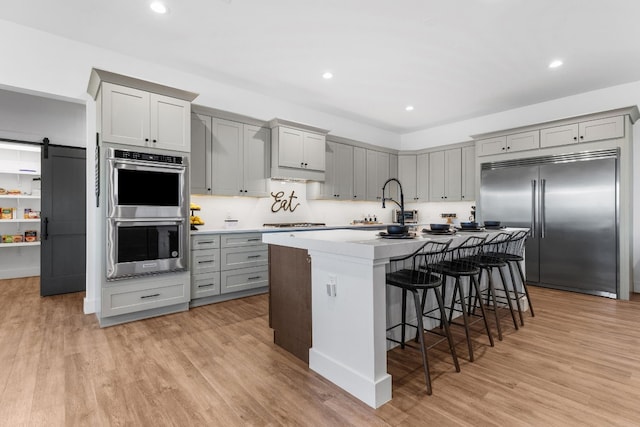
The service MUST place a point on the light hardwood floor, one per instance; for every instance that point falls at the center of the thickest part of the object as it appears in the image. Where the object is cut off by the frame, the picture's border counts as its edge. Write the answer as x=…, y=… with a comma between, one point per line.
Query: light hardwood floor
x=576, y=363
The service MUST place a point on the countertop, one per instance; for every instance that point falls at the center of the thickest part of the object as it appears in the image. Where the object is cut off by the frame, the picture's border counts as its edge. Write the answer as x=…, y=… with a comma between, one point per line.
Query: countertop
x=362, y=227
x=365, y=243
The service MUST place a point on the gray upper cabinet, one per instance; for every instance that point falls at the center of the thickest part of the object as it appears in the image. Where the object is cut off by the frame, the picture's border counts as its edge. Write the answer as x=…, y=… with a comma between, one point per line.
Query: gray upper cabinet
x=587, y=131
x=559, y=135
x=239, y=159
x=468, y=192
x=509, y=143
x=407, y=174
x=393, y=173
x=338, y=182
x=445, y=175
x=200, y=164
x=377, y=173
x=136, y=117
x=413, y=172
x=359, y=173
x=227, y=161
x=229, y=158
x=601, y=127
x=256, y=150
x=297, y=151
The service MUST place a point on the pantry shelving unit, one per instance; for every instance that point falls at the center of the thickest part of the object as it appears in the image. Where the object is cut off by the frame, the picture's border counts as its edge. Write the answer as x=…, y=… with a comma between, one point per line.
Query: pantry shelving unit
x=19, y=170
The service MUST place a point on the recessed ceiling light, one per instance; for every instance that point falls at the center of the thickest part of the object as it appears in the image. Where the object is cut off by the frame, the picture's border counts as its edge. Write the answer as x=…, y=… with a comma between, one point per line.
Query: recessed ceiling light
x=555, y=63
x=409, y=108
x=158, y=7
x=328, y=75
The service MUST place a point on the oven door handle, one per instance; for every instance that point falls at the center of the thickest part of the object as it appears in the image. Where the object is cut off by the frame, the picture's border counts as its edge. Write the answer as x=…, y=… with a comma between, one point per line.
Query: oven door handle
x=148, y=166
x=159, y=221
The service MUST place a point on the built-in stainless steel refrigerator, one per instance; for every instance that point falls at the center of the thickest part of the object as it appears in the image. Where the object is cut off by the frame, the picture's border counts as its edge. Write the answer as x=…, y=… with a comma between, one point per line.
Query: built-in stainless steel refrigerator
x=570, y=203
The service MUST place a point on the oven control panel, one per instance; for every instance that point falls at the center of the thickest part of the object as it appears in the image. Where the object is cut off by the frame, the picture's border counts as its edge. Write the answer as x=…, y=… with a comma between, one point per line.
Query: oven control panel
x=147, y=157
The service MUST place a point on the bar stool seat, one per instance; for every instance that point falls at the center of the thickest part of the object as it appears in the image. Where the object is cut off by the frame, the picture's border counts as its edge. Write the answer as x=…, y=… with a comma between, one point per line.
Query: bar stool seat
x=415, y=278
x=513, y=256
x=493, y=257
x=460, y=262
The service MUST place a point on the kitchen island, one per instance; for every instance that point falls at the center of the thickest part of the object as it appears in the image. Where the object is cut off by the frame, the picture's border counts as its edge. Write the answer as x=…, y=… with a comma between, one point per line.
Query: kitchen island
x=349, y=304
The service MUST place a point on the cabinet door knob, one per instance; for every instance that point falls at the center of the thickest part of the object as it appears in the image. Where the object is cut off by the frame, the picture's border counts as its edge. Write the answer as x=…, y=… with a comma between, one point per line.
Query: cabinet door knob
x=581, y=136
x=146, y=139
x=306, y=164
x=154, y=141
x=503, y=148
x=575, y=138
x=508, y=148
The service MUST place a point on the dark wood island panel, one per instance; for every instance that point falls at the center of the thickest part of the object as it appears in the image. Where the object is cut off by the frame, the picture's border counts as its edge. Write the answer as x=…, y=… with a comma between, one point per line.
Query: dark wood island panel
x=290, y=299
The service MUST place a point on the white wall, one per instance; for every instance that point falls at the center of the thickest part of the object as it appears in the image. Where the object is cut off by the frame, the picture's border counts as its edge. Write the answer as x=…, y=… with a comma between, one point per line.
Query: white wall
x=36, y=61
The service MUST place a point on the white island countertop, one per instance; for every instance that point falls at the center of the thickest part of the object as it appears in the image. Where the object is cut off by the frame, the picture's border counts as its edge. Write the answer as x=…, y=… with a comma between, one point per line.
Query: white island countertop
x=348, y=303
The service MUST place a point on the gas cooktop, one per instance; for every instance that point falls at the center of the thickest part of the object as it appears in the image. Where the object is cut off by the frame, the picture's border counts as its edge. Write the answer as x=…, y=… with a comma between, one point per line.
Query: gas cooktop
x=294, y=224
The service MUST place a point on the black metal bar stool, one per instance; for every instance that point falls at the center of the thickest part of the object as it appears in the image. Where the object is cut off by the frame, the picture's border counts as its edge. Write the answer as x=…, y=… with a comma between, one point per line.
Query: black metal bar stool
x=514, y=256
x=412, y=274
x=460, y=262
x=493, y=257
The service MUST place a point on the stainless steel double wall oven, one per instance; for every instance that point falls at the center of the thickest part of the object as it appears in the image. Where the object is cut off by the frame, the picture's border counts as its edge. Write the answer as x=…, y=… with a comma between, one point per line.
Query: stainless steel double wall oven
x=147, y=213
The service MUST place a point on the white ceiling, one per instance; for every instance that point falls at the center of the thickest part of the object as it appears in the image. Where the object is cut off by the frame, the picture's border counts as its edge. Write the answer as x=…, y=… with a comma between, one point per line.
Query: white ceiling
x=451, y=60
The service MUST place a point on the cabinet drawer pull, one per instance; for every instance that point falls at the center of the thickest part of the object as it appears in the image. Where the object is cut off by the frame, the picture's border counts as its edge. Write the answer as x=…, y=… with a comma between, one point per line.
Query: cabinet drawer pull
x=149, y=296
x=254, y=277
x=254, y=256
x=254, y=240
x=206, y=286
x=205, y=262
x=204, y=242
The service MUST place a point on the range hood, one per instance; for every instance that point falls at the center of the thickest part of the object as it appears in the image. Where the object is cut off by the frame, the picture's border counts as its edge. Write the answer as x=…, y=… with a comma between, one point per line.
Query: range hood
x=297, y=151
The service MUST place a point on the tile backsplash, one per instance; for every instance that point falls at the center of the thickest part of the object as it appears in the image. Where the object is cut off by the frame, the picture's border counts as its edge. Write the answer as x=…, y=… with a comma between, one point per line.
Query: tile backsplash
x=253, y=212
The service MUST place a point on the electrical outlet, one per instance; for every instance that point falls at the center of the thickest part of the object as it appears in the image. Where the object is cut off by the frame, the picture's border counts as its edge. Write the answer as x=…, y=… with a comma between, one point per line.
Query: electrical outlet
x=331, y=289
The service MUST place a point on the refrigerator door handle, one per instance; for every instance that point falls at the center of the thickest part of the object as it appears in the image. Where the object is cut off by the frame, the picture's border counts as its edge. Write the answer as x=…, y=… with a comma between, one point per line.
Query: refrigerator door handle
x=543, y=219
x=532, y=231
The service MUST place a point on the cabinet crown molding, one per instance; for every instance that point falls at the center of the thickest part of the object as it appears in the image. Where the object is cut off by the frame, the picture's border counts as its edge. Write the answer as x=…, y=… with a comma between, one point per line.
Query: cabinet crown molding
x=281, y=122
x=631, y=111
x=98, y=76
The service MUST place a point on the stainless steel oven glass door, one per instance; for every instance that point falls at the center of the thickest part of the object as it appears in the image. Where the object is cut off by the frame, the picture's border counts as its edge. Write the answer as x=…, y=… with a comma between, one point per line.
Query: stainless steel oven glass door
x=139, y=247
x=145, y=185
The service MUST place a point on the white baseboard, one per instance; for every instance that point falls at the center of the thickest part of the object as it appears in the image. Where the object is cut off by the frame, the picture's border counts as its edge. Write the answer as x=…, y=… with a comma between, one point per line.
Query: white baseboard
x=89, y=306
x=20, y=272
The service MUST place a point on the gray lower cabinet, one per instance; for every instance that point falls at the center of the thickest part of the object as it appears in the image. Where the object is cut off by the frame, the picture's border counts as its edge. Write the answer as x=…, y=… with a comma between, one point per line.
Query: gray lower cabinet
x=145, y=294
x=224, y=264
x=205, y=285
x=244, y=279
x=205, y=266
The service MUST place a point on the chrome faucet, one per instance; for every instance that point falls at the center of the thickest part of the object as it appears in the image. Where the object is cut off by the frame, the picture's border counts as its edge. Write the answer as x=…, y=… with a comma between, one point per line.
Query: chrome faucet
x=401, y=204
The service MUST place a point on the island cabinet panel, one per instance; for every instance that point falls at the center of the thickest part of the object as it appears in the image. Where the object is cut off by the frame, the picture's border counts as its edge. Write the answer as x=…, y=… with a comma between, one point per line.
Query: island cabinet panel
x=290, y=299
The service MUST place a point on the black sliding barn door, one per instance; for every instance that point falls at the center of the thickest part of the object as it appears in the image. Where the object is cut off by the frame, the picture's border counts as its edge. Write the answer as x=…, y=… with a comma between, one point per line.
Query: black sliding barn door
x=63, y=252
